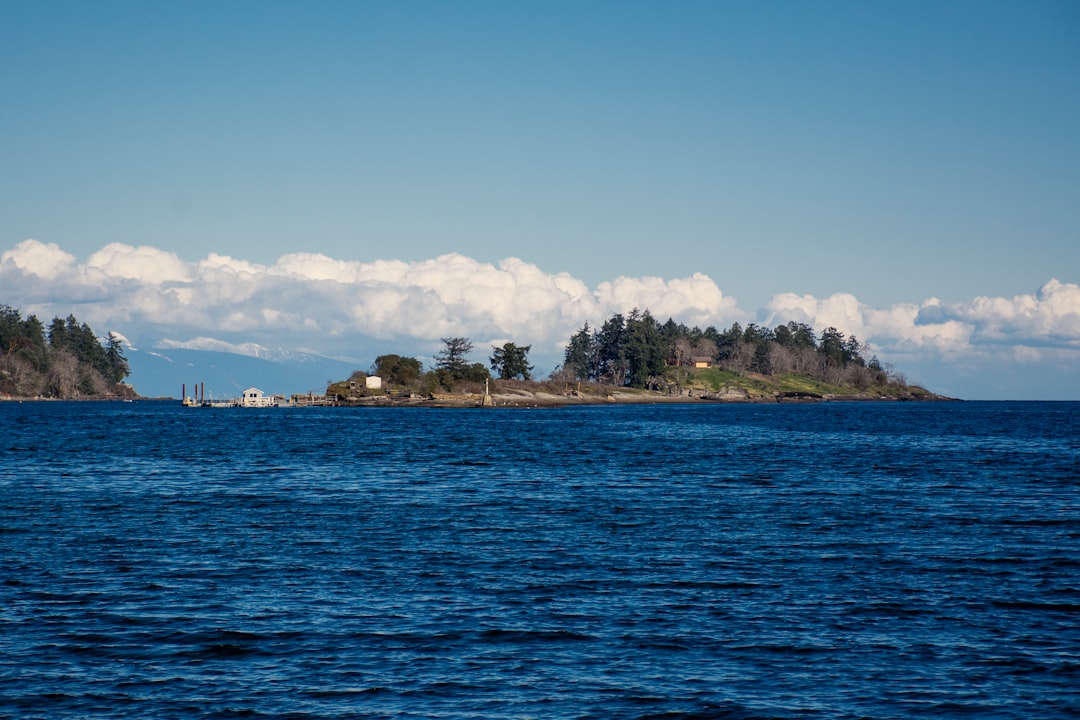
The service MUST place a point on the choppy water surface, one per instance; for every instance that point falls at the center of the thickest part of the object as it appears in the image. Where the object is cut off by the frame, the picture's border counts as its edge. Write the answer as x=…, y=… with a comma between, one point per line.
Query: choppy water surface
x=806, y=561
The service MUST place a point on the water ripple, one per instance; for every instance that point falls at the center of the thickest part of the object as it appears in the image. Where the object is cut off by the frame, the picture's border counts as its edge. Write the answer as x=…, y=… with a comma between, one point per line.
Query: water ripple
x=797, y=561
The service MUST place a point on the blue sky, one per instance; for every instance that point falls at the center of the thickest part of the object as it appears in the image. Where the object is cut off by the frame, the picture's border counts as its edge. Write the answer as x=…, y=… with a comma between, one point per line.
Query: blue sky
x=903, y=154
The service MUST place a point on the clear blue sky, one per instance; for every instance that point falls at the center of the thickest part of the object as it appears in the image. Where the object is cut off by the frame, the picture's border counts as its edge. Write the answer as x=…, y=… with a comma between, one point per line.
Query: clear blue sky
x=893, y=150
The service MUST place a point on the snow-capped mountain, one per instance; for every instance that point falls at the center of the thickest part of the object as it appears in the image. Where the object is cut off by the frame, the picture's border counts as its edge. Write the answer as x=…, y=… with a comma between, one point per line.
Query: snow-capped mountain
x=226, y=370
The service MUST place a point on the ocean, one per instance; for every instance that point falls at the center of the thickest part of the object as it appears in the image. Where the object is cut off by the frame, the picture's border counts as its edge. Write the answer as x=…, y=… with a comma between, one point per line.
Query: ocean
x=836, y=560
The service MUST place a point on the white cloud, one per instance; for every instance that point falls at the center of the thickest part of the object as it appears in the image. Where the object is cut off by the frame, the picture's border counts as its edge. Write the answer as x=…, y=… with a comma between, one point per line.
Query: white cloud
x=312, y=266
x=144, y=264
x=337, y=306
x=122, y=339
x=312, y=298
x=36, y=258
x=1049, y=318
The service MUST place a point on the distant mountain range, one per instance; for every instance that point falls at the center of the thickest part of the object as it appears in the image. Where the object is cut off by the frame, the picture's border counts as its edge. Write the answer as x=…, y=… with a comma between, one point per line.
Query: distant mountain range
x=163, y=372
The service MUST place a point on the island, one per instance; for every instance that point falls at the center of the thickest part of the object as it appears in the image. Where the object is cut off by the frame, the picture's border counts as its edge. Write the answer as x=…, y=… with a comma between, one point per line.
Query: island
x=636, y=359
x=630, y=358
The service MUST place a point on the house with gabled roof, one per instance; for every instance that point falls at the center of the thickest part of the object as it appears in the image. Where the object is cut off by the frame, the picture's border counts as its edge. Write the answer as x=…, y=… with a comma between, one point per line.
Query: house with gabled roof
x=254, y=397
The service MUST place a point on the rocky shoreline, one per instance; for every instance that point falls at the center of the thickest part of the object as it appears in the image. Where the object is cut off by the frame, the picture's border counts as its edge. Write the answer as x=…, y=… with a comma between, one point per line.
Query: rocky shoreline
x=521, y=398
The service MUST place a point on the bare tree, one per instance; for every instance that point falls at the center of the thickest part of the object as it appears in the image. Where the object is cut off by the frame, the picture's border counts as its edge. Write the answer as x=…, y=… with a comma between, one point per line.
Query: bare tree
x=63, y=377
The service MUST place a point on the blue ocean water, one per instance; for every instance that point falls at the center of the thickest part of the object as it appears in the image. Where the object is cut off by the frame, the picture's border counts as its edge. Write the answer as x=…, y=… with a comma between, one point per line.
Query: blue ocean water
x=672, y=561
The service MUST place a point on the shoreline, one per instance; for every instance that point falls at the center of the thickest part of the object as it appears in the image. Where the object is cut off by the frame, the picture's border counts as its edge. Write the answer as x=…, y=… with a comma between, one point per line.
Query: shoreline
x=522, y=398
x=527, y=399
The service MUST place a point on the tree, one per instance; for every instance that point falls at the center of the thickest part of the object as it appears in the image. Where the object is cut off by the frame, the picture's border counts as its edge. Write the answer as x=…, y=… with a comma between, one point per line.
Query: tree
x=611, y=350
x=728, y=342
x=70, y=362
x=63, y=377
x=704, y=348
x=451, y=360
x=754, y=334
x=852, y=350
x=116, y=365
x=58, y=337
x=783, y=336
x=832, y=345
x=578, y=357
x=511, y=361
x=645, y=352
x=762, y=360
x=397, y=370
x=476, y=373
x=10, y=328
x=802, y=335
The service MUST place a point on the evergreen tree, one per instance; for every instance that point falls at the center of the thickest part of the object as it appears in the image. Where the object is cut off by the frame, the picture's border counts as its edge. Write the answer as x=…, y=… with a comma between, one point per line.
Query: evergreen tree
x=578, y=357
x=644, y=350
x=728, y=342
x=11, y=330
x=852, y=348
x=783, y=336
x=832, y=345
x=638, y=351
x=452, y=359
x=511, y=361
x=58, y=336
x=116, y=365
x=65, y=361
x=762, y=360
x=802, y=335
x=755, y=334
x=611, y=350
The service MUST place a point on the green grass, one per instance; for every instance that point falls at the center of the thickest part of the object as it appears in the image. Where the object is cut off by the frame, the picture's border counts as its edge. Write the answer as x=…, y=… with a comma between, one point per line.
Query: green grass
x=715, y=379
x=801, y=383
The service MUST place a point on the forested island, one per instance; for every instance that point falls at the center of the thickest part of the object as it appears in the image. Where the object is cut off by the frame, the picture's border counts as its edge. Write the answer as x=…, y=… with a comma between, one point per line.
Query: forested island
x=630, y=357
x=65, y=361
x=634, y=357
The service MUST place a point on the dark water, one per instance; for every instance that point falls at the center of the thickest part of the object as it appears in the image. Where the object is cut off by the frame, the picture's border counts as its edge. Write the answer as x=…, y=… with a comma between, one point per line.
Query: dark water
x=810, y=561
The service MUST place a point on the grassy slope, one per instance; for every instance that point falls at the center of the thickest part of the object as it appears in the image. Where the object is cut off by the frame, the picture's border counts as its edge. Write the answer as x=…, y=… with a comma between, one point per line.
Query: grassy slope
x=715, y=379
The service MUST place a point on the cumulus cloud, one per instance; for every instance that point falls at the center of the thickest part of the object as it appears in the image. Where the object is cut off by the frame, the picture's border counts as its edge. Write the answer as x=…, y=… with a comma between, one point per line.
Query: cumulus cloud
x=143, y=264
x=346, y=308
x=1050, y=317
x=43, y=260
x=1021, y=326
x=314, y=299
x=336, y=306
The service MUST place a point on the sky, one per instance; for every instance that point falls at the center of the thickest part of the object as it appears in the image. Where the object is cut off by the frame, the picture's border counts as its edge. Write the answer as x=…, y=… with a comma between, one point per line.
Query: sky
x=364, y=177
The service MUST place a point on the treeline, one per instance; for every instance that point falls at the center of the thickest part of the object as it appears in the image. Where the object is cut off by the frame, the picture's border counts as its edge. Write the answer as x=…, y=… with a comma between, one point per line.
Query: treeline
x=453, y=371
x=65, y=360
x=638, y=351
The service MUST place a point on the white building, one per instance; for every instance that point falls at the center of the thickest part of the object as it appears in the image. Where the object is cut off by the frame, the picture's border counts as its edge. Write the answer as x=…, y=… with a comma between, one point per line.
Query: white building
x=254, y=397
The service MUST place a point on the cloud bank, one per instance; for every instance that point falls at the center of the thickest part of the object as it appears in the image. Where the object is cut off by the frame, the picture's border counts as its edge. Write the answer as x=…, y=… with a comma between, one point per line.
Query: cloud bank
x=1047, y=322
x=317, y=300
x=330, y=305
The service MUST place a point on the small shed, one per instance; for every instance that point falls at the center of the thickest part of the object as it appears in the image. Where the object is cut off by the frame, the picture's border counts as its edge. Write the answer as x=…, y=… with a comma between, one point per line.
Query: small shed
x=701, y=361
x=373, y=382
x=254, y=397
